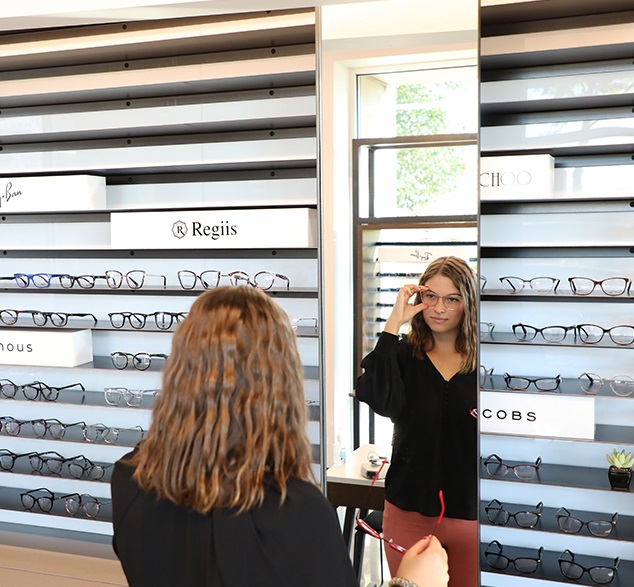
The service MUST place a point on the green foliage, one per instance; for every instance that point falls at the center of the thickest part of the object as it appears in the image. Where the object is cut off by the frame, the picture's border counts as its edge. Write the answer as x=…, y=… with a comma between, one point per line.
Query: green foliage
x=424, y=173
x=618, y=458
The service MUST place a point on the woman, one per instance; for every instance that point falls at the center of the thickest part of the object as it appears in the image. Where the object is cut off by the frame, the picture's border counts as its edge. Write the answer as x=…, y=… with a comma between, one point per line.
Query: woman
x=426, y=384
x=220, y=492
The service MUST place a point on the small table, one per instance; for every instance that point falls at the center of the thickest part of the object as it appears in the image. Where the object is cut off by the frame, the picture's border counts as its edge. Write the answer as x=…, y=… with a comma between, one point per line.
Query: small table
x=346, y=487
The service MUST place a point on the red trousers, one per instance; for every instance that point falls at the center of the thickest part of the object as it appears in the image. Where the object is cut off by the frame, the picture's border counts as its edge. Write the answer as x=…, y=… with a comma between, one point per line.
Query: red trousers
x=459, y=537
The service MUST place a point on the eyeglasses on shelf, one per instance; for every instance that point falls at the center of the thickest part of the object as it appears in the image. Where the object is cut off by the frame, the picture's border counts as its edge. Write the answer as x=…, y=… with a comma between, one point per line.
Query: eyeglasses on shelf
x=496, y=467
x=621, y=385
x=85, y=504
x=499, y=515
x=39, y=280
x=556, y=333
x=114, y=396
x=134, y=279
x=52, y=427
x=41, y=318
x=483, y=282
x=540, y=285
x=484, y=374
x=140, y=361
x=108, y=434
x=303, y=323
x=623, y=334
x=83, y=281
x=138, y=320
x=81, y=467
x=43, y=502
x=572, y=525
x=12, y=426
x=8, y=459
x=486, y=328
x=541, y=383
x=495, y=557
x=35, y=390
x=600, y=574
x=610, y=286
x=47, y=463
x=451, y=303
x=211, y=278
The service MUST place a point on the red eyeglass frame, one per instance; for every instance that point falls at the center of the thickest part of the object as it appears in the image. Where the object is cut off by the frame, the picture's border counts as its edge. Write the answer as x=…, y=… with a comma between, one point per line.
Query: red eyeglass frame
x=363, y=525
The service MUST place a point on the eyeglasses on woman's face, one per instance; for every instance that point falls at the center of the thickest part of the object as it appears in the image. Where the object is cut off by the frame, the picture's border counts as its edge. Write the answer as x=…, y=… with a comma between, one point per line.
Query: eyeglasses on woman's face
x=451, y=303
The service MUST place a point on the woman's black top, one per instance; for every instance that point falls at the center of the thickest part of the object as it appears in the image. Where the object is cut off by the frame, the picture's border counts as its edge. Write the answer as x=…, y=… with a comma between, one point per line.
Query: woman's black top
x=161, y=544
x=435, y=442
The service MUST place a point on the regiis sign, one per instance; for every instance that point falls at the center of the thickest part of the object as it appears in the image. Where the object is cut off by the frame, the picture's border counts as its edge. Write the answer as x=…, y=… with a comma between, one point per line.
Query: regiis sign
x=521, y=176
x=45, y=347
x=215, y=229
x=59, y=193
x=530, y=414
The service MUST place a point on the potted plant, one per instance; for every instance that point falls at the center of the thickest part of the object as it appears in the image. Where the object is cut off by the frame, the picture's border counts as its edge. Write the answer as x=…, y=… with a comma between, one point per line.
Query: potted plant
x=620, y=471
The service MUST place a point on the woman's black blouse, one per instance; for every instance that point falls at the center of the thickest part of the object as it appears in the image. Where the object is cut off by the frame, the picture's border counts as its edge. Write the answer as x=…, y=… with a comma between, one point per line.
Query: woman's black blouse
x=435, y=442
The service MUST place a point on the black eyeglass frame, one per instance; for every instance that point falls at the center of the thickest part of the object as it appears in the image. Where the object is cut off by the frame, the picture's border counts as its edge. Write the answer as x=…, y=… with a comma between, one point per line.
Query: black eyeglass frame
x=509, y=560
x=496, y=505
x=559, y=516
x=588, y=570
x=529, y=466
x=528, y=380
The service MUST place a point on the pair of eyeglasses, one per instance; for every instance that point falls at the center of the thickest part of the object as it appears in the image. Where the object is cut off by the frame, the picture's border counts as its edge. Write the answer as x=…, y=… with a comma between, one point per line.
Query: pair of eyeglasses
x=211, y=278
x=40, y=318
x=35, y=390
x=484, y=374
x=8, y=459
x=525, y=332
x=623, y=334
x=486, y=328
x=137, y=320
x=114, y=396
x=540, y=383
x=47, y=463
x=12, y=426
x=140, y=361
x=540, y=285
x=495, y=557
x=600, y=574
x=370, y=531
x=611, y=286
x=81, y=467
x=483, y=282
x=84, y=504
x=496, y=467
x=107, y=434
x=572, y=525
x=39, y=280
x=621, y=385
x=451, y=303
x=83, y=281
x=134, y=279
x=499, y=515
x=53, y=427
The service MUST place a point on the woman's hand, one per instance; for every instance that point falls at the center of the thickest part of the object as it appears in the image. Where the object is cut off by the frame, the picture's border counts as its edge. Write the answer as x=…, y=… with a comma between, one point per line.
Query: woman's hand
x=402, y=310
x=425, y=564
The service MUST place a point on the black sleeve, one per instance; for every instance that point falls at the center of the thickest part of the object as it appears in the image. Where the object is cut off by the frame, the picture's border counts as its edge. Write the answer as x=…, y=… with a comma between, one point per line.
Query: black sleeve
x=381, y=384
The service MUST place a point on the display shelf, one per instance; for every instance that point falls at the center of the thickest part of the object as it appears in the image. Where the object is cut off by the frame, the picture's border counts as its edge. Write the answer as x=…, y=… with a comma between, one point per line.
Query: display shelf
x=602, y=434
x=558, y=475
x=567, y=387
x=499, y=295
x=85, y=251
x=512, y=251
x=78, y=397
x=508, y=338
x=23, y=468
x=548, y=570
x=623, y=530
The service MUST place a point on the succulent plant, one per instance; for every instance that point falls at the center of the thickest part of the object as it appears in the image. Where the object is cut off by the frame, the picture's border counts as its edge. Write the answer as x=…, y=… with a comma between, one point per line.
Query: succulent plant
x=619, y=459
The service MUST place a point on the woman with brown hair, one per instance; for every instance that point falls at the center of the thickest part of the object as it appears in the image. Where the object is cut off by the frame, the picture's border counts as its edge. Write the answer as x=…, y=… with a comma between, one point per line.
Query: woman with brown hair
x=220, y=492
x=426, y=383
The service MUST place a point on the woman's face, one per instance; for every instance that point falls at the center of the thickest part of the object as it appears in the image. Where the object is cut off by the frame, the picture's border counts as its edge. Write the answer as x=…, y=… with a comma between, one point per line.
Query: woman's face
x=439, y=318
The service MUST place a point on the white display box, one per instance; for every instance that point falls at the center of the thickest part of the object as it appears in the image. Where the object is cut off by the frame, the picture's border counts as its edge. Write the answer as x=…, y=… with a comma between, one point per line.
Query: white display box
x=45, y=347
x=530, y=414
x=215, y=229
x=58, y=193
x=517, y=177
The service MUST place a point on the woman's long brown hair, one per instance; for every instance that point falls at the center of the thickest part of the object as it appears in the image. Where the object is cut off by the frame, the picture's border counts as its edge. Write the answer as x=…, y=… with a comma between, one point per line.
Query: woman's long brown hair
x=463, y=278
x=231, y=416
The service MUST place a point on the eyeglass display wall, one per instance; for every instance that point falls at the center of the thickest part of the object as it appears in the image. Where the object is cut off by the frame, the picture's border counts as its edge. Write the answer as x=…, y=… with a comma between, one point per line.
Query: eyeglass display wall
x=191, y=114
x=558, y=297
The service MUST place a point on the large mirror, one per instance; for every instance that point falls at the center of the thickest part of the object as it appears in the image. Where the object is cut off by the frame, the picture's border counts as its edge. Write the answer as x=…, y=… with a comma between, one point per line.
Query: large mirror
x=399, y=181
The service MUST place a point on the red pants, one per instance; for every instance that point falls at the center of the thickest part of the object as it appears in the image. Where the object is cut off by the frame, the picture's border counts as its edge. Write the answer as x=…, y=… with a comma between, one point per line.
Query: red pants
x=459, y=537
